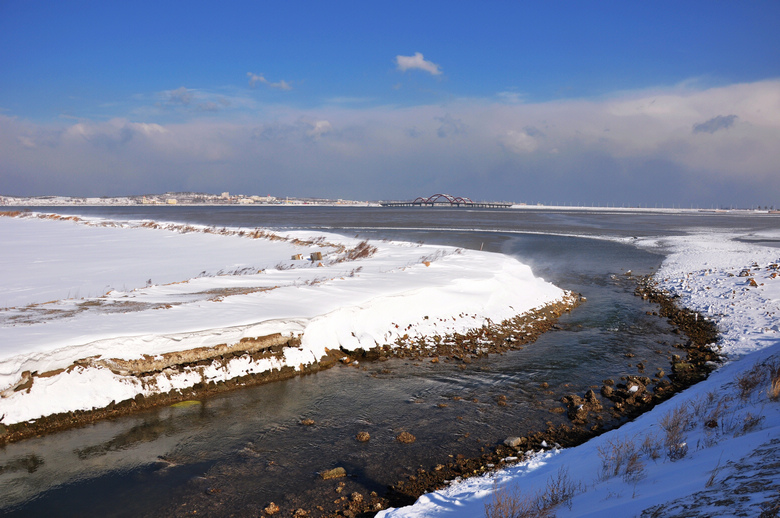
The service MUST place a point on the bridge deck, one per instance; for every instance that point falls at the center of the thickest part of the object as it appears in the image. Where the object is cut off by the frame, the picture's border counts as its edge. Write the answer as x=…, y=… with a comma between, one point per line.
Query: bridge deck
x=480, y=205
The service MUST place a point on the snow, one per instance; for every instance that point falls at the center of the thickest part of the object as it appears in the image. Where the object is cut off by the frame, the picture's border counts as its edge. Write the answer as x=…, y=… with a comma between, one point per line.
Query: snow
x=79, y=296
x=206, y=290
x=729, y=439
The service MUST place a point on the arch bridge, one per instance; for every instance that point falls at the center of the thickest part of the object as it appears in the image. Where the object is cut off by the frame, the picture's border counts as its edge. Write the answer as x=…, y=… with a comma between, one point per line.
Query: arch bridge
x=443, y=200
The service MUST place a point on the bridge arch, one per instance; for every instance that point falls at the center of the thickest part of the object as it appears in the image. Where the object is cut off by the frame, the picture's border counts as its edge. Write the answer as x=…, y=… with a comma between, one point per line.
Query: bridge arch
x=441, y=199
x=438, y=197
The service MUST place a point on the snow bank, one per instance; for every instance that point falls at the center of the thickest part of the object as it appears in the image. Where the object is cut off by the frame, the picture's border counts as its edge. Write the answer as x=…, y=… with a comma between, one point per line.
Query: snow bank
x=83, y=293
x=727, y=430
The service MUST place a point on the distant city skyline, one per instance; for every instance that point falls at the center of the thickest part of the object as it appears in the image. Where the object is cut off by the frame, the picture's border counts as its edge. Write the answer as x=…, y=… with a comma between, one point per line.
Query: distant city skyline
x=602, y=103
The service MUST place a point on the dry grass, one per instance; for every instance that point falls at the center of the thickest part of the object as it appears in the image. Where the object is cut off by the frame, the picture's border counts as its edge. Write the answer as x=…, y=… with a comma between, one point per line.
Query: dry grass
x=651, y=447
x=774, y=381
x=622, y=457
x=635, y=468
x=560, y=490
x=512, y=503
x=614, y=456
x=714, y=473
x=674, y=425
x=361, y=251
x=749, y=423
x=749, y=380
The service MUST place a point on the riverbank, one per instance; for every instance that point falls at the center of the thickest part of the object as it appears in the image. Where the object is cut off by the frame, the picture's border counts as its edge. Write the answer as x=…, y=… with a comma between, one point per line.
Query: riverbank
x=230, y=307
x=609, y=412
x=707, y=451
x=514, y=333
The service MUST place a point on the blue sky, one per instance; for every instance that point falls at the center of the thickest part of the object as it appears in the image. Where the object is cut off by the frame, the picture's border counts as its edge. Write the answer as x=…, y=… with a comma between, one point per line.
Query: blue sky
x=543, y=101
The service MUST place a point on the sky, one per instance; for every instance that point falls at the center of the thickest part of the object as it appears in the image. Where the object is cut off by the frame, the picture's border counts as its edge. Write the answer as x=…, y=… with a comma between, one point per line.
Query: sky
x=584, y=103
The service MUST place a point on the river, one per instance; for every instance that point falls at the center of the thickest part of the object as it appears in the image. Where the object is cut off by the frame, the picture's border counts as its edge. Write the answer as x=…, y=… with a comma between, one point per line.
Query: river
x=235, y=452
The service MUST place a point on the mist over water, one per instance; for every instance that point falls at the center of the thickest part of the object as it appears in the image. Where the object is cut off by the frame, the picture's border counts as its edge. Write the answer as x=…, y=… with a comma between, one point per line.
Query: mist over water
x=250, y=444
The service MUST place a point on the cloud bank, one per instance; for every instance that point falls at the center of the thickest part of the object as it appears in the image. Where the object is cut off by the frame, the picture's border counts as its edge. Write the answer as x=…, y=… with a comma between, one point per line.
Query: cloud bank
x=668, y=146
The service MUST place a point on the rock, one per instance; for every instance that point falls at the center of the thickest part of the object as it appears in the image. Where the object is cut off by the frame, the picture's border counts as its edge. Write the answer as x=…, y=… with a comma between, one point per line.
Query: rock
x=356, y=497
x=592, y=402
x=682, y=367
x=405, y=437
x=607, y=391
x=271, y=509
x=514, y=442
x=307, y=422
x=363, y=436
x=579, y=408
x=333, y=473
x=576, y=408
x=300, y=513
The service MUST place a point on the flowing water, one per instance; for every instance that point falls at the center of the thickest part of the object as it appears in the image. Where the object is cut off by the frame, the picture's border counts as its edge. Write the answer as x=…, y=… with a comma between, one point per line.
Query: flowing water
x=240, y=450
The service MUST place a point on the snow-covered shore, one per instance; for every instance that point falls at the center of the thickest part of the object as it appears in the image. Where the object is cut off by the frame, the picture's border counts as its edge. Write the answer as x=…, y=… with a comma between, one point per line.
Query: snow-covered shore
x=86, y=301
x=709, y=451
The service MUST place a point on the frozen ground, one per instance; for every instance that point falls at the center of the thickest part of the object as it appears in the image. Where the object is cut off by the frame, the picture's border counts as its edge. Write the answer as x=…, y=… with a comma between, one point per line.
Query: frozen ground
x=84, y=298
x=713, y=450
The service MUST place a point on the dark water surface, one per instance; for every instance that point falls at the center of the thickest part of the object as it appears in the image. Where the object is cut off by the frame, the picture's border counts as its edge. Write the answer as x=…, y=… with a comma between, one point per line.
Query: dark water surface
x=236, y=452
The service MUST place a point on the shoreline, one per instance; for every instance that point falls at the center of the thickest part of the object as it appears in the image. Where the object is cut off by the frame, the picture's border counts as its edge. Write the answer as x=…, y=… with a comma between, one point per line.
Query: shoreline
x=456, y=346
x=699, y=361
x=460, y=348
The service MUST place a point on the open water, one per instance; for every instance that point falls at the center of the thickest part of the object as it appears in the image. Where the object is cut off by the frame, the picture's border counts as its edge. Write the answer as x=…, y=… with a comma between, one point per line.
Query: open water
x=234, y=453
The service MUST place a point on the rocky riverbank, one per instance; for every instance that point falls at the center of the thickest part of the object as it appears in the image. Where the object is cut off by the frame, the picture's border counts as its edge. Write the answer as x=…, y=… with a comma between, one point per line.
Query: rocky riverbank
x=590, y=414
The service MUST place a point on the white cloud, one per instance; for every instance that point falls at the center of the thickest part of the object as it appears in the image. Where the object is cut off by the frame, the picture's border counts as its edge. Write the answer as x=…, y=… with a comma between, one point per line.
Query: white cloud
x=113, y=132
x=519, y=142
x=319, y=128
x=511, y=97
x=254, y=79
x=417, y=62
